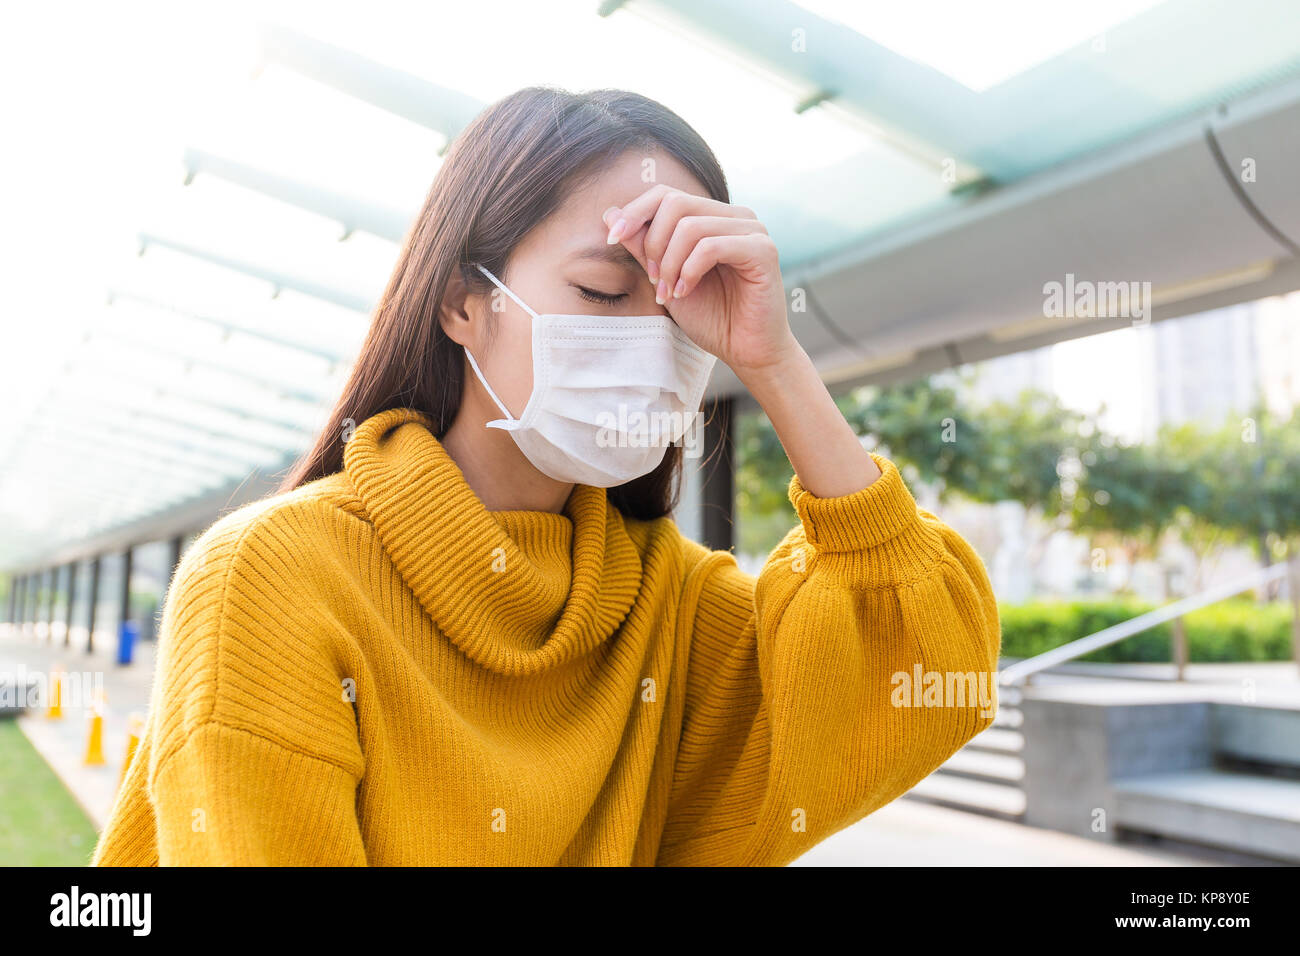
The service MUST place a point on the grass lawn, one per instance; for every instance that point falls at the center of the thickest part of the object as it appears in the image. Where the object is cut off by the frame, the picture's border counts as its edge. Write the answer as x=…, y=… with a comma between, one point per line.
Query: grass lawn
x=40, y=823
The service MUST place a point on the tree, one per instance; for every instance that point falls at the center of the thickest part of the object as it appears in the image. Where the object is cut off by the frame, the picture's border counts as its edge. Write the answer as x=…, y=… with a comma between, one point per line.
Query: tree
x=1134, y=492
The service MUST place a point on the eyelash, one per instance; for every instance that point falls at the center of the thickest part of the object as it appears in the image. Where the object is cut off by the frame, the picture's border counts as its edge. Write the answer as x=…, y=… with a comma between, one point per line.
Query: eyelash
x=601, y=297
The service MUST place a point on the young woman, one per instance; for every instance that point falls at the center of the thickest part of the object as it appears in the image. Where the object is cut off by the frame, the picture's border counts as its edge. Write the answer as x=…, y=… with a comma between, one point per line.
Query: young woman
x=467, y=631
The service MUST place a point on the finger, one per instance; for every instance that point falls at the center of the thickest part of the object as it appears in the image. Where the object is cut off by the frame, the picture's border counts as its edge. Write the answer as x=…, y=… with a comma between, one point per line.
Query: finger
x=673, y=207
x=635, y=244
x=647, y=206
x=617, y=218
x=690, y=230
x=754, y=254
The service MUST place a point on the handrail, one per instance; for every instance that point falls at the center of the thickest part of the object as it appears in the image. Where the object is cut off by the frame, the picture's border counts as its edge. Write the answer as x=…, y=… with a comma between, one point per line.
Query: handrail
x=1021, y=671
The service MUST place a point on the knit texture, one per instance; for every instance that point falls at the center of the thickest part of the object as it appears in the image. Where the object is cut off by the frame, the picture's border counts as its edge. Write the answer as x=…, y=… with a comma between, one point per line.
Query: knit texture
x=374, y=669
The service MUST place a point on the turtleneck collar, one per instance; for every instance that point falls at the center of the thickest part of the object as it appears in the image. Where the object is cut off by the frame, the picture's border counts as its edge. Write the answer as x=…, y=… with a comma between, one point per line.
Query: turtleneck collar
x=517, y=591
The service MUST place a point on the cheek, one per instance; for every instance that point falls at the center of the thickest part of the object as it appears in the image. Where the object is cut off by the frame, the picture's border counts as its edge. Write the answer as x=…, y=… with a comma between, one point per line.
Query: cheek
x=510, y=368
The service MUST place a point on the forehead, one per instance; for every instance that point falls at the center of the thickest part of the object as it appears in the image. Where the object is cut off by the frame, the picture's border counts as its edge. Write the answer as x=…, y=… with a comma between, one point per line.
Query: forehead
x=617, y=184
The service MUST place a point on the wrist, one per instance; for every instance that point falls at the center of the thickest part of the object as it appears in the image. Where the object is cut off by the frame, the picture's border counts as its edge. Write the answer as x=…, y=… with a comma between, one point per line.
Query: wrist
x=788, y=364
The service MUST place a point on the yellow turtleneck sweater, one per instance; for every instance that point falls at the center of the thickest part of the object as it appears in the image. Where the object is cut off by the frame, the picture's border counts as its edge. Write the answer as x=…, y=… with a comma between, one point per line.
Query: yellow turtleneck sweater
x=374, y=669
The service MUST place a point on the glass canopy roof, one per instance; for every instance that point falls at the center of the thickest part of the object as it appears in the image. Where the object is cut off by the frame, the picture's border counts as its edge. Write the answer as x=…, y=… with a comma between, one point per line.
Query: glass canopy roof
x=204, y=204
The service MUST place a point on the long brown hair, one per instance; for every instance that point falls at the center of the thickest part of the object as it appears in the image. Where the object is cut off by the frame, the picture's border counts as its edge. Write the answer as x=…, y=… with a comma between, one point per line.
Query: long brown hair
x=506, y=172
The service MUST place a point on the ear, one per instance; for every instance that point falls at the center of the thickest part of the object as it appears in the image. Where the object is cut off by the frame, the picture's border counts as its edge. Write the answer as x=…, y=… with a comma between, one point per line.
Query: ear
x=458, y=312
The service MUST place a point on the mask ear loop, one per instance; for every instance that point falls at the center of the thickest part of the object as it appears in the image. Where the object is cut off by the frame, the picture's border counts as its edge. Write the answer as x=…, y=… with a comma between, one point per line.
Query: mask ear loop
x=501, y=285
x=478, y=371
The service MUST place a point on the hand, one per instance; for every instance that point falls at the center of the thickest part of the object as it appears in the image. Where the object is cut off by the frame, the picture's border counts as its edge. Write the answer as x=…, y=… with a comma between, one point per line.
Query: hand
x=717, y=272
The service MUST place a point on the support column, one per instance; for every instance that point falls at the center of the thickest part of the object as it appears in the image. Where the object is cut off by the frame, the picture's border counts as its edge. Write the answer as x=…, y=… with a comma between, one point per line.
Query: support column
x=717, y=490
x=94, y=600
x=125, y=614
x=36, y=582
x=20, y=587
x=177, y=544
x=1293, y=586
x=72, y=600
x=177, y=548
x=51, y=594
x=29, y=602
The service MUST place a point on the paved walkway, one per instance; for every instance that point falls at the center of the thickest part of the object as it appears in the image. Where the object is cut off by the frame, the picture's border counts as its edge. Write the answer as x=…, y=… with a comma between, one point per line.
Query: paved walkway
x=63, y=742
x=910, y=833
x=905, y=833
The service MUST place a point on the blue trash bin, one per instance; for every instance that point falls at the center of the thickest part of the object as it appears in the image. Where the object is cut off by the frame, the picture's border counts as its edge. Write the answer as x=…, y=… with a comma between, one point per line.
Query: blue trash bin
x=126, y=637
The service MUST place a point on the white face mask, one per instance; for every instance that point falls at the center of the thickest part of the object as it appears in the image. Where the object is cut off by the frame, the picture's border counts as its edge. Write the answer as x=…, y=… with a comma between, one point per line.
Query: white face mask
x=610, y=394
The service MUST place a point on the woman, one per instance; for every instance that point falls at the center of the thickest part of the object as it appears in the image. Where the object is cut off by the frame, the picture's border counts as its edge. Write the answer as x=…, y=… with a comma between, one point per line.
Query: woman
x=468, y=631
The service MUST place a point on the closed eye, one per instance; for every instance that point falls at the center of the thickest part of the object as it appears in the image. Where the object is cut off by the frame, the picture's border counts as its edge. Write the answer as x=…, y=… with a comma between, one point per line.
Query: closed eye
x=604, y=298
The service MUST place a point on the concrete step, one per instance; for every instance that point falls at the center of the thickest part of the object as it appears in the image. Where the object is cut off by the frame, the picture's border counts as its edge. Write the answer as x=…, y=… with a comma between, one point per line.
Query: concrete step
x=1008, y=717
x=1237, y=811
x=975, y=796
x=997, y=740
x=1007, y=769
x=1261, y=734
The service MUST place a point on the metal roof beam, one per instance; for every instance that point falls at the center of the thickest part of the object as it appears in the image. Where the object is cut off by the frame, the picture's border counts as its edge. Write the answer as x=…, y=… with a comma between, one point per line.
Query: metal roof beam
x=223, y=453
x=329, y=355
x=196, y=464
x=128, y=492
x=159, y=348
x=921, y=110
x=413, y=98
x=348, y=299
x=351, y=212
x=226, y=445
x=180, y=518
x=226, y=434
x=243, y=414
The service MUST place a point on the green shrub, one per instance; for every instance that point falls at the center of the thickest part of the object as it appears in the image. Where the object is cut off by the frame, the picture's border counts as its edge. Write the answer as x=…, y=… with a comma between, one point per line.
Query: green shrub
x=1236, y=630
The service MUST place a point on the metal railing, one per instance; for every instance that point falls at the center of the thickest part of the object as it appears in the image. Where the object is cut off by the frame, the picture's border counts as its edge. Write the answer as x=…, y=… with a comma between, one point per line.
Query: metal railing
x=1022, y=671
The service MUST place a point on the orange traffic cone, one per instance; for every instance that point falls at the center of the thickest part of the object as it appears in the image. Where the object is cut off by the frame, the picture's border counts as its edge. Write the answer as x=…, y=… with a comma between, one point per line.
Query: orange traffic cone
x=134, y=725
x=56, y=693
x=95, y=743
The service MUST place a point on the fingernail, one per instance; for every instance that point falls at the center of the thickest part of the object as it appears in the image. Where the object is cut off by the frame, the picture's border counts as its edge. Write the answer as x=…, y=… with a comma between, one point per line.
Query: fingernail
x=608, y=214
x=679, y=288
x=661, y=292
x=652, y=270
x=616, y=233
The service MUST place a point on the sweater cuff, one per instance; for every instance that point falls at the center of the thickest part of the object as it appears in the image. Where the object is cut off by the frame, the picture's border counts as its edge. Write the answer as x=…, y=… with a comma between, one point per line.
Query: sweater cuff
x=862, y=519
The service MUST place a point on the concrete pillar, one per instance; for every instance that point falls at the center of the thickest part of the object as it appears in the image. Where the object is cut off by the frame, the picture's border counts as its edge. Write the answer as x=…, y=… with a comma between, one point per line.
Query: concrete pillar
x=50, y=599
x=125, y=612
x=72, y=600
x=718, y=477
x=1293, y=586
x=21, y=619
x=94, y=600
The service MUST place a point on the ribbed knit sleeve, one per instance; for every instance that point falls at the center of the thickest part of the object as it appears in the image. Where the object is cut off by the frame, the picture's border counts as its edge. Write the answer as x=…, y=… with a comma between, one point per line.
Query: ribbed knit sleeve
x=254, y=757
x=801, y=714
x=228, y=797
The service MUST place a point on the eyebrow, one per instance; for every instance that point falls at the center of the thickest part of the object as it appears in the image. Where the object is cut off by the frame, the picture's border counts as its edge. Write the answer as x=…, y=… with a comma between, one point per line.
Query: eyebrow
x=616, y=254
